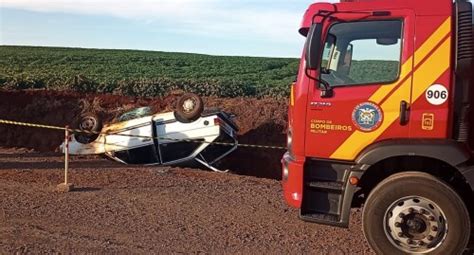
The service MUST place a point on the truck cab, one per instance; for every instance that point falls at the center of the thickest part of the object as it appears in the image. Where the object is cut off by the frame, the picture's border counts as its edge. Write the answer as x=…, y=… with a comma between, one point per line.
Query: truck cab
x=380, y=115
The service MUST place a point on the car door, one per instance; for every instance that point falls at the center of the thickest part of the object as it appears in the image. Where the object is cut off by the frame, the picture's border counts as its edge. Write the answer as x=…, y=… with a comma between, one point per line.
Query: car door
x=177, y=142
x=131, y=141
x=368, y=65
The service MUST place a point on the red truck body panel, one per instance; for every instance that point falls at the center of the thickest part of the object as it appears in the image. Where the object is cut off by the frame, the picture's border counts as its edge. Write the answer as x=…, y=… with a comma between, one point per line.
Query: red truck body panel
x=325, y=128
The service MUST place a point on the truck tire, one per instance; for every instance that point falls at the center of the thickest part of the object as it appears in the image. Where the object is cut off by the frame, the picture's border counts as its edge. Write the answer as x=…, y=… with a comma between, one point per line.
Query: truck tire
x=411, y=213
x=189, y=108
x=88, y=122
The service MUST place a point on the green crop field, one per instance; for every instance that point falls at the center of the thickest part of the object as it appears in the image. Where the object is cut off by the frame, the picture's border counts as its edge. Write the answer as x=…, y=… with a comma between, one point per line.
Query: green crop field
x=143, y=73
x=152, y=73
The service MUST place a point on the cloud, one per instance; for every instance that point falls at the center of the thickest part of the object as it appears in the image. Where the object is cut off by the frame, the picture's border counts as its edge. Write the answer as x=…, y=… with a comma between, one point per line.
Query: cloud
x=275, y=20
x=124, y=8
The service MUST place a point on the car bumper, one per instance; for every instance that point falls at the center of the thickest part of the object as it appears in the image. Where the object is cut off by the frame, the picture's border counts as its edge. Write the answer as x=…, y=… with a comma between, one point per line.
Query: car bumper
x=292, y=180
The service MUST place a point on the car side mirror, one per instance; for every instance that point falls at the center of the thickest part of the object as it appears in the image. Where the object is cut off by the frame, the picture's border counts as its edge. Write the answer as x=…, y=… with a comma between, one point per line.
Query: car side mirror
x=313, y=47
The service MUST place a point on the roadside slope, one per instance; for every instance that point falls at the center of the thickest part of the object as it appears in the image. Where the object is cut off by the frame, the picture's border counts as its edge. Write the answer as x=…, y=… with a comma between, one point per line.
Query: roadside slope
x=261, y=121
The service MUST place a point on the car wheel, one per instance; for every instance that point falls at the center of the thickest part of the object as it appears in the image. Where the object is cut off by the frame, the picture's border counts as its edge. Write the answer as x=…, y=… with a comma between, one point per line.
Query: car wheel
x=189, y=108
x=415, y=213
x=89, y=122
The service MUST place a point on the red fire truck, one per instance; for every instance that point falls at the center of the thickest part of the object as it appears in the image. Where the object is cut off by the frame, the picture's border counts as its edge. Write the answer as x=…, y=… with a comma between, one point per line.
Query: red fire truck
x=380, y=116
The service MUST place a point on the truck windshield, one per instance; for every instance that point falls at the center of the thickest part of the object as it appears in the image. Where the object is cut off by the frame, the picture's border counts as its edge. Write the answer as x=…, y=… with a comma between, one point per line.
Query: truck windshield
x=363, y=52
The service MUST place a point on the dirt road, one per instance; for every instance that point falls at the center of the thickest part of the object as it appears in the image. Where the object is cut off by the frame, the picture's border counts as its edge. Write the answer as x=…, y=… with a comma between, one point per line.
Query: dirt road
x=119, y=209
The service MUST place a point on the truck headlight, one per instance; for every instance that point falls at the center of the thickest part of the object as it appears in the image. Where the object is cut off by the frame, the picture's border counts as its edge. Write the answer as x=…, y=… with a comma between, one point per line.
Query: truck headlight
x=285, y=172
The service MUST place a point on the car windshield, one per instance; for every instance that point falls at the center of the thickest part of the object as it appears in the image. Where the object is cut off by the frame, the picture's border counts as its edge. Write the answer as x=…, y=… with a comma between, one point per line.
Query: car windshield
x=135, y=113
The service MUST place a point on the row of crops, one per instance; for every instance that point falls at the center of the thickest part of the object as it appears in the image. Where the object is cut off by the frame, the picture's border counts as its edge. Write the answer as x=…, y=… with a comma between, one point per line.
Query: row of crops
x=151, y=73
x=143, y=73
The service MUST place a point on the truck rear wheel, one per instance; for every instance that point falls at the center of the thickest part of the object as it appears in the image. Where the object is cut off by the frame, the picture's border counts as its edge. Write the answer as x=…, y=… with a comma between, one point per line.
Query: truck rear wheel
x=415, y=213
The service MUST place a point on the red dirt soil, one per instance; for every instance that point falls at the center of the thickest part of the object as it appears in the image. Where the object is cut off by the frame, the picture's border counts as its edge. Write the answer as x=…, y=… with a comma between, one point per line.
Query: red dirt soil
x=261, y=121
x=119, y=209
x=124, y=209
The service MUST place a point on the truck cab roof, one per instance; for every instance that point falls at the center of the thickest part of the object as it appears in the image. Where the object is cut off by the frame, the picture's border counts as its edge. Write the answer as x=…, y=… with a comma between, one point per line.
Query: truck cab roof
x=419, y=7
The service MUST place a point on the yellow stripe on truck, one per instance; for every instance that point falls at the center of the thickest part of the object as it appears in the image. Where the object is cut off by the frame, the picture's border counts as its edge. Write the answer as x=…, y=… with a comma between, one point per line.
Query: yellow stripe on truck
x=434, y=39
x=359, y=140
x=424, y=77
x=420, y=54
x=437, y=64
x=384, y=90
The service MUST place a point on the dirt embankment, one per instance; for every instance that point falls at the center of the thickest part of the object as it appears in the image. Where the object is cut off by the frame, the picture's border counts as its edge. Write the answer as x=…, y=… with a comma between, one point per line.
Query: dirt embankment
x=261, y=121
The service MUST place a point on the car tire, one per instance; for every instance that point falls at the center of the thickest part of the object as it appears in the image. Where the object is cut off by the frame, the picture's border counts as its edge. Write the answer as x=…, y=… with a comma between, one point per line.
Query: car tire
x=90, y=122
x=392, y=213
x=189, y=108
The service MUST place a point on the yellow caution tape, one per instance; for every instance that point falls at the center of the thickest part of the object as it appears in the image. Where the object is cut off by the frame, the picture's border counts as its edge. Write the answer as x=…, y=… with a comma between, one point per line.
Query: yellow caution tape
x=33, y=125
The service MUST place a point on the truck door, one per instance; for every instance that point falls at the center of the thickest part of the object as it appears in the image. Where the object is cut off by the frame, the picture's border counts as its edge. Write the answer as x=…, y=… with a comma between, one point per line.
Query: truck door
x=368, y=65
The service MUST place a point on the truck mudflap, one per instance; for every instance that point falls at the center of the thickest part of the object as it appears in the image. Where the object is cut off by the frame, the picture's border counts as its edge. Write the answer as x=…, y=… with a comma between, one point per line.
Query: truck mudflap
x=468, y=173
x=328, y=193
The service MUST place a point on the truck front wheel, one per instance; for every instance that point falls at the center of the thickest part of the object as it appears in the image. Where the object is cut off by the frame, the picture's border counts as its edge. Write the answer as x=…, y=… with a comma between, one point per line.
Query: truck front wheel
x=415, y=213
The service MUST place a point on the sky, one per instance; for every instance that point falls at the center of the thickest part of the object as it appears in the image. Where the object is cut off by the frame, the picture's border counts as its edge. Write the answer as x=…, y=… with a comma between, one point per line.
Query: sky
x=218, y=27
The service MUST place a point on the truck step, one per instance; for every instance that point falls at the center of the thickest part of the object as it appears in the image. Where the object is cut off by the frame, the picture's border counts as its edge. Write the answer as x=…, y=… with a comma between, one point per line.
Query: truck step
x=332, y=219
x=336, y=187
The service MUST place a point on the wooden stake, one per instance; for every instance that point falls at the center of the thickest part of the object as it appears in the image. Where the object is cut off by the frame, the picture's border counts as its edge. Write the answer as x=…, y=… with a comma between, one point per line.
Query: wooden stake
x=66, y=186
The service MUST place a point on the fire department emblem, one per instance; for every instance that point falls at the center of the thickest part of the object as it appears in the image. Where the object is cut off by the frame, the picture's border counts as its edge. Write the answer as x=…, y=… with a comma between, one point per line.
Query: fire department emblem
x=367, y=116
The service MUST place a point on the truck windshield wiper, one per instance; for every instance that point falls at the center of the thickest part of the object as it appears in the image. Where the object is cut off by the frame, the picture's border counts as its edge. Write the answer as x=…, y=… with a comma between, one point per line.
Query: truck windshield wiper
x=325, y=70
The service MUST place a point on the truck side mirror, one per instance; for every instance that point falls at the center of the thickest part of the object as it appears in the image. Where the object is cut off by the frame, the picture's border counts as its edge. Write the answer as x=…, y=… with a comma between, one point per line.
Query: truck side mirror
x=313, y=56
x=313, y=47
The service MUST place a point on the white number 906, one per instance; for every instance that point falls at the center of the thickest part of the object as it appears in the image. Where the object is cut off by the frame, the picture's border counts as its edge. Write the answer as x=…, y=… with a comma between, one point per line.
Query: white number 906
x=436, y=94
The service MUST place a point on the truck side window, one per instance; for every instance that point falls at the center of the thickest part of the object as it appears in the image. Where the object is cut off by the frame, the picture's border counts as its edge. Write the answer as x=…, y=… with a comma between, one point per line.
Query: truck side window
x=364, y=52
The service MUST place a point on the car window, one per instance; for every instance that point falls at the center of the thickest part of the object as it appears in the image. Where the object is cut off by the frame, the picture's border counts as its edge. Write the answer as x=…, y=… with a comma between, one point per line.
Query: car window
x=365, y=52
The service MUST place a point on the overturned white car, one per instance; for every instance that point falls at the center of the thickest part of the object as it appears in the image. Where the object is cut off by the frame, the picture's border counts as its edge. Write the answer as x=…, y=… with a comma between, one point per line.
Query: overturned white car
x=139, y=137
